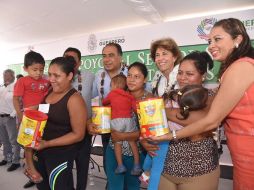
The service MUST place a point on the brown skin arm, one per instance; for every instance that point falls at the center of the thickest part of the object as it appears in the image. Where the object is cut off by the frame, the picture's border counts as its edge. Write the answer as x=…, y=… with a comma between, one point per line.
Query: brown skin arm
x=125, y=136
x=193, y=116
x=232, y=89
x=78, y=117
x=16, y=104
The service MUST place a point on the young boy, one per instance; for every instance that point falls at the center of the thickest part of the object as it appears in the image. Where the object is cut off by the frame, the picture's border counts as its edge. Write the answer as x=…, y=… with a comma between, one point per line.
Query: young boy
x=31, y=90
x=122, y=105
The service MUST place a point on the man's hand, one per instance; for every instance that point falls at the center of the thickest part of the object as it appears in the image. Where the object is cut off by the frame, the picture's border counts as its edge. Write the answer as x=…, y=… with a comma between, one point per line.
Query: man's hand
x=93, y=129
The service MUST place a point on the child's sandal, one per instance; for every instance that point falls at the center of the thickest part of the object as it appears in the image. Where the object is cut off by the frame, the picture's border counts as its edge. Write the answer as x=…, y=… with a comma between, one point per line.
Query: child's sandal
x=144, y=178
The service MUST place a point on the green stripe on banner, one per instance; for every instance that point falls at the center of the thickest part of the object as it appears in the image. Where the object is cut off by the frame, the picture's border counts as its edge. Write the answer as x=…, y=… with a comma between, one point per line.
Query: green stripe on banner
x=94, y=62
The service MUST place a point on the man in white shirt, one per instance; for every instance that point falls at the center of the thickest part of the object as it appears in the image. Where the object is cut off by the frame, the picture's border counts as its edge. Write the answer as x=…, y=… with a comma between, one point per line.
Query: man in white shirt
x=8, y=130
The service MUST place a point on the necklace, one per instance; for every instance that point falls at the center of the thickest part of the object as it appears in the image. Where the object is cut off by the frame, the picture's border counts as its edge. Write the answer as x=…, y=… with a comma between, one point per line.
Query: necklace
x=103, y=74
x=80, y=87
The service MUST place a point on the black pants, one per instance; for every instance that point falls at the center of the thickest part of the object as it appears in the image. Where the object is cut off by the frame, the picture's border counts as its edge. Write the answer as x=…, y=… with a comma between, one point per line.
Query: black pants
x=82, y=162
x=55, y=166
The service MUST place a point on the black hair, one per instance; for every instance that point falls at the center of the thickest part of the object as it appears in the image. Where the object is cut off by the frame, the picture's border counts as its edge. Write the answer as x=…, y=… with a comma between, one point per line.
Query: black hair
x=72, y=49
x=117, y=46
x=19, y=76
x=190, y=98
x=140, y=66
x=234, y=28
x=33, y=57
x=202, y=61
x=67, y=64
x=120, y=81
x=11, y=72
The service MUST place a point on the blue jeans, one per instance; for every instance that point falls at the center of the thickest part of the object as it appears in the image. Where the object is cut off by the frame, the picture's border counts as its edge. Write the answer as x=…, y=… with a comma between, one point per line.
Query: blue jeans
x=118, y=181
x=155, y=165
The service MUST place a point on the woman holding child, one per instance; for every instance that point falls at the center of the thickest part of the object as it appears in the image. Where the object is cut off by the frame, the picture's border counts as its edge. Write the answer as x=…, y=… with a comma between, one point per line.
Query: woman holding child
x=166, y=55
x=64, y=130
x=190, y=163
x=136, y=80
x=230, y=44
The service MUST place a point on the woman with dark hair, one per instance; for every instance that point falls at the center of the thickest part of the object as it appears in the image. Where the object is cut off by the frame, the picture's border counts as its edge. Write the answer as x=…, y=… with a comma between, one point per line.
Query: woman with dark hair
x=136, y=80
x=198, y=167
x=230, y=44
x=64, y=130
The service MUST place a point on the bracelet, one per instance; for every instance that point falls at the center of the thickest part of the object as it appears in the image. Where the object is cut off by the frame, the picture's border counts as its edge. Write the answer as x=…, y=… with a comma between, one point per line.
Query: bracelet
x=174, y=135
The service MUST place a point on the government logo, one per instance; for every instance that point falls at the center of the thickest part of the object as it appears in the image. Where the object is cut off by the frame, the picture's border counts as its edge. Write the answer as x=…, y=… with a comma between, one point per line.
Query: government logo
x=205, y=26
x=92, y=43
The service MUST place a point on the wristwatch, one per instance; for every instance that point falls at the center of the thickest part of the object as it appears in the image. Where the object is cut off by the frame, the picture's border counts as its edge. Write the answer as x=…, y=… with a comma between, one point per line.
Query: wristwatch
x=174, y=135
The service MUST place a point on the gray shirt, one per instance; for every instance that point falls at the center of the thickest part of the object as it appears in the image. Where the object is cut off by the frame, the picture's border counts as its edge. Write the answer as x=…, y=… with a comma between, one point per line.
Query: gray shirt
x=87, y=79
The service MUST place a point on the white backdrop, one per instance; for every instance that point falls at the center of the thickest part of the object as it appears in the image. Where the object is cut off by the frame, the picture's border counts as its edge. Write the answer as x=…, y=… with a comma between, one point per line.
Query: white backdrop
x=183, y=31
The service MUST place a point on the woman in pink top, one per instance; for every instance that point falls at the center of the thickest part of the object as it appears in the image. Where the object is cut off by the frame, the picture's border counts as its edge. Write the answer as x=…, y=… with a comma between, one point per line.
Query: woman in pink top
x=230, y=44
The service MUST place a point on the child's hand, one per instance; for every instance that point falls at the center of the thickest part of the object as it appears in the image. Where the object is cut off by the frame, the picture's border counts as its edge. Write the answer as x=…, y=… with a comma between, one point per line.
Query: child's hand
x=19, y=116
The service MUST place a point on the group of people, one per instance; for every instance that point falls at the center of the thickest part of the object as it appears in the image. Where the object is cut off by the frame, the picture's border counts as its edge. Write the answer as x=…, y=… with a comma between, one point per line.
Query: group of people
x=185, y=158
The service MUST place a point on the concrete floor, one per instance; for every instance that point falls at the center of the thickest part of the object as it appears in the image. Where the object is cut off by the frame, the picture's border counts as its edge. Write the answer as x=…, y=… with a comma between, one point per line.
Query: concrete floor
x=97, y=180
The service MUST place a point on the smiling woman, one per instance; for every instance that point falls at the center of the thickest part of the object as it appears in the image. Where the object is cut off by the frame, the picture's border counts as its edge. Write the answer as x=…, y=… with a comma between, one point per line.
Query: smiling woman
x=64, y=130
x=230, y=44
x=166, y=54
x=136, y=79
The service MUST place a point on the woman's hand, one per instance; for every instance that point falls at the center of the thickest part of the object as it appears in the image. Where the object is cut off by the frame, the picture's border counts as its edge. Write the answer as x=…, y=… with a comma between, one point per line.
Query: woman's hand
x=124, y=136
x=156, y=140
x=92, y=129
x=150, y=148
x=117, y=136
x=42, y=144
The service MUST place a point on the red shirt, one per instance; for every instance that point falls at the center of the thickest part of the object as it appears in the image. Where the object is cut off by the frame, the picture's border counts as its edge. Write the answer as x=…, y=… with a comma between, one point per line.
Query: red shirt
x=32, y=91
x=122, y=103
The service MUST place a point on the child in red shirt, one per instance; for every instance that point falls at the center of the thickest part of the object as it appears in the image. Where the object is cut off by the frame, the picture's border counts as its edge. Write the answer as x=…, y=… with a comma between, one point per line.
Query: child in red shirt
x=122, y=104
x=31, y=90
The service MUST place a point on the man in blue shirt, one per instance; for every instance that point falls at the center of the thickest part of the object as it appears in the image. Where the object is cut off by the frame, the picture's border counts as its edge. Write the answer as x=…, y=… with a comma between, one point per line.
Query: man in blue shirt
x=112, y=63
